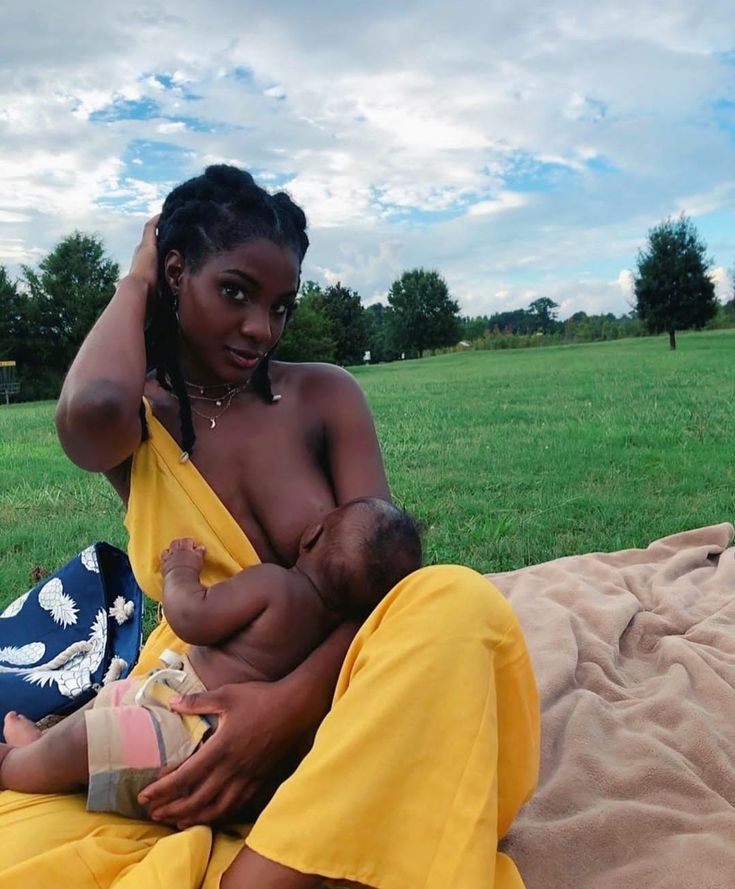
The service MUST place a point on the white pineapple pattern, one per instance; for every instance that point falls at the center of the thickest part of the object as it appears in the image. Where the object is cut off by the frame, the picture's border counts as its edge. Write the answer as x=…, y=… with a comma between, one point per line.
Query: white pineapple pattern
x=23, y=655
x=89, y=559
x=71, y=670
x=53, y=599
x=121, y=610
x=16, y=605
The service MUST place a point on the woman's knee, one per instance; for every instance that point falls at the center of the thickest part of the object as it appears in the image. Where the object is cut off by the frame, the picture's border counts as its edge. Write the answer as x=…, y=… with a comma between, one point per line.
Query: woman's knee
x=455, y=599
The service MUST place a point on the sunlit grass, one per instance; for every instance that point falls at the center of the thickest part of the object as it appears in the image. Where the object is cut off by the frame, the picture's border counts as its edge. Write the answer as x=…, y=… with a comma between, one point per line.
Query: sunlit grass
x=508, y=458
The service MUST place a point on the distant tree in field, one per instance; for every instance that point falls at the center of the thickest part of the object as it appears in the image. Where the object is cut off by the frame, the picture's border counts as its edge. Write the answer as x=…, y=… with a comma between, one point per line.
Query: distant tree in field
x=672, y=286
x=543, y=312
x=65, y=296
x=346, y=314
x=474, y=328
x=379, y=333
x=513, y=321
x=12, y=317
x=331, y=326
x=424, y=315
x=308, y=334
x=730, y=304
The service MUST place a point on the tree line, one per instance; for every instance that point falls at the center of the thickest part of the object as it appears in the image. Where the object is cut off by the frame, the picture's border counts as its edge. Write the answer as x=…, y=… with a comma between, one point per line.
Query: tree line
x=45, y=315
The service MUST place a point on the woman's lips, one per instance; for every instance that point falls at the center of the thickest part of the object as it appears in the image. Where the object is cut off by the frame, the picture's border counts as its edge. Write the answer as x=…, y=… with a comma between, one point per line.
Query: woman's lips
x=243, y=358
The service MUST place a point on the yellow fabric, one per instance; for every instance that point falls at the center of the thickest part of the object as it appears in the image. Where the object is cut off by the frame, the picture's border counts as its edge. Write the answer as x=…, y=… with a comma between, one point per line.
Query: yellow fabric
x=170, y=499
x=430, y=748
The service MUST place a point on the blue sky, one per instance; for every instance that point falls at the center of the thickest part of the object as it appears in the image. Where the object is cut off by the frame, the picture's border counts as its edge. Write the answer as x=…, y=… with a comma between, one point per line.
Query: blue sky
x=523, y=149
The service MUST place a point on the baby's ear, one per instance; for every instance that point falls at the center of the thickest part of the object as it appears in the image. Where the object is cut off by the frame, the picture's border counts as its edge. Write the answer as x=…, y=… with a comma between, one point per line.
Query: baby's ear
x=310, y=537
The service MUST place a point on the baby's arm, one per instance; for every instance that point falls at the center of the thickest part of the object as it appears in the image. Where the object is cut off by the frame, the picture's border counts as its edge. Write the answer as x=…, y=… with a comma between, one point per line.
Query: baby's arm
x=204, y=616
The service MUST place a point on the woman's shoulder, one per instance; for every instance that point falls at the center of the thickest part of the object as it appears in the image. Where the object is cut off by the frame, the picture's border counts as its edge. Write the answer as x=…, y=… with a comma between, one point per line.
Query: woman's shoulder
x=315, y=379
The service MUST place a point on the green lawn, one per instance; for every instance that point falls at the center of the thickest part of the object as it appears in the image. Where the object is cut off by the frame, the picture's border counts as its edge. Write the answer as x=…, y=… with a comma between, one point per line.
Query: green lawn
x=508, y=458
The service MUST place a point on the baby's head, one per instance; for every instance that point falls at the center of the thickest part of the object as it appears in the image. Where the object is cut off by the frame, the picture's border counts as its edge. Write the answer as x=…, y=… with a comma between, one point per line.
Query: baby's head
x=359, y=552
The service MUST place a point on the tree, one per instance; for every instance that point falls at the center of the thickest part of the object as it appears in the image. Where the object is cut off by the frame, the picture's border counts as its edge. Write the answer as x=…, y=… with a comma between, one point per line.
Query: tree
x=424, y=315
x=329, y=325
x=673, y=288
x=12, y=317
x=543, y=311
x=379, y=332
x=308, y=334
x=474, y=328
x=346, y=314
x=65, y=296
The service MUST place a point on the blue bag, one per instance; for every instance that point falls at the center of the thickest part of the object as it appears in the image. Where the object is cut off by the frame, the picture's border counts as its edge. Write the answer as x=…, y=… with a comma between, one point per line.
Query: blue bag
x=72, y=633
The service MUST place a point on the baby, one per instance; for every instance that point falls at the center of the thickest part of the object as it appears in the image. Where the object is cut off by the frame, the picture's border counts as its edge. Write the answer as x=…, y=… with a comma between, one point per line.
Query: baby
x=258, y=625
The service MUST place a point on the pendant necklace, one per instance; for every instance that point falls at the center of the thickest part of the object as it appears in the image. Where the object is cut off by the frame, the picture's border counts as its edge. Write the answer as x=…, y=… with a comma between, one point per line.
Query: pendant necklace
x=222, y=401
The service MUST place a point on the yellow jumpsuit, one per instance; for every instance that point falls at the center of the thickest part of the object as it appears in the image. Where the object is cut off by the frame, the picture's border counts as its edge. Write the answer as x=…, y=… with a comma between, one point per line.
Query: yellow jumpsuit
x=429, y=750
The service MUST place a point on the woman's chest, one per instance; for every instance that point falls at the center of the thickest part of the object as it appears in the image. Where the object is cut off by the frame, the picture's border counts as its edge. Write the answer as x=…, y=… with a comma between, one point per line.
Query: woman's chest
x=271, y=473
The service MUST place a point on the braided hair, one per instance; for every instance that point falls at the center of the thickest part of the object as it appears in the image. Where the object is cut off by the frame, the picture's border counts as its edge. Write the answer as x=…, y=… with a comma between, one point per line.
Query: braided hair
x=210, y=214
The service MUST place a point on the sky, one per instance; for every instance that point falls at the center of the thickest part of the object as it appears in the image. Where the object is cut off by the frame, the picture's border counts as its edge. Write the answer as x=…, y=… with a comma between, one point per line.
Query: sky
x=521, y=149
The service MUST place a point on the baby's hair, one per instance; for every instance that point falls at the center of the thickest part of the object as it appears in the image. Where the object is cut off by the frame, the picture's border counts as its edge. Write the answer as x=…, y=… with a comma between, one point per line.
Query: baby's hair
x=210, y=214
x=391, y=549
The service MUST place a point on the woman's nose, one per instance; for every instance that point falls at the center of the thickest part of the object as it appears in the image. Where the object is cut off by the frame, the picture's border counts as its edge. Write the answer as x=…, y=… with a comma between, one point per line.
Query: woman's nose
x=257, y=325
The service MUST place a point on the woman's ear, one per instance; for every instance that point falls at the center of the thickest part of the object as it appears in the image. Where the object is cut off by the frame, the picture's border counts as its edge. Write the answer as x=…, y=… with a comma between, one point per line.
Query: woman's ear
x=173, y=267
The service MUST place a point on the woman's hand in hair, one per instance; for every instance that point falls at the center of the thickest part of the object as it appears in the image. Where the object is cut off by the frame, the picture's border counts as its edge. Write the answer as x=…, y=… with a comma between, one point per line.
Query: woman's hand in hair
x=144, y=265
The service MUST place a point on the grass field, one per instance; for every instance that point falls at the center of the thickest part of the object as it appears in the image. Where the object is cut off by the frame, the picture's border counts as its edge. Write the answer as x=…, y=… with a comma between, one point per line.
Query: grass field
x=508, y=458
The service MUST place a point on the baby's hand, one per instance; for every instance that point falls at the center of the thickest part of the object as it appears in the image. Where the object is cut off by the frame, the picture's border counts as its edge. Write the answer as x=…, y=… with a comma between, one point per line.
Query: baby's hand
x=183, y=553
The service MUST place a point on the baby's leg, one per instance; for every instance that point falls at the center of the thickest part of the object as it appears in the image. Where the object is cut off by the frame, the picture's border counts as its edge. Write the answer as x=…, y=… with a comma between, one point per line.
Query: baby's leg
x=54, y=763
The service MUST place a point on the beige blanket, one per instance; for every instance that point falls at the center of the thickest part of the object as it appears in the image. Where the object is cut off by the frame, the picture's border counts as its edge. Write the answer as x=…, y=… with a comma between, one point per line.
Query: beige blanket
x=634, y=653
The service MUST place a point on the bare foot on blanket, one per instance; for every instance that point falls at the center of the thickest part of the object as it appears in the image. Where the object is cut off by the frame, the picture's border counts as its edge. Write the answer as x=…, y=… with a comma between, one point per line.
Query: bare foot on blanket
x=20, y=731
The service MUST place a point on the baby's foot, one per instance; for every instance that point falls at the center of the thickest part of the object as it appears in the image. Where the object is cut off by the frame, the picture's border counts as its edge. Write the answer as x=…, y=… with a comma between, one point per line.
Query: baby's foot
x=183, y=553
x=19, y=730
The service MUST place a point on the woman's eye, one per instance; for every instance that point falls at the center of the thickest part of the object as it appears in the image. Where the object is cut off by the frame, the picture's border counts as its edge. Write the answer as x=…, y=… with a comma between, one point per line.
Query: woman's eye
x=280, y=310
x=233, y=291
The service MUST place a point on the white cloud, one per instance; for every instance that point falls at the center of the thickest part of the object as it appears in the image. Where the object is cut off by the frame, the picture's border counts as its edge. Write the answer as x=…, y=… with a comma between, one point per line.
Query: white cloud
x=625, y=283
x=723, y=284
x=520, y=150
x=506, y=200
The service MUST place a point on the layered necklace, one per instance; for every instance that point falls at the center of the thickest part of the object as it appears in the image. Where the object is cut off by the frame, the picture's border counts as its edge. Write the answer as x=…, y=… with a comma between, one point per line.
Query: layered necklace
x=218, y=397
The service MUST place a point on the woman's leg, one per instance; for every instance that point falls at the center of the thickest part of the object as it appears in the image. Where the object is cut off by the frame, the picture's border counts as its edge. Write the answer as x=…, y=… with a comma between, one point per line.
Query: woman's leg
x=429, y=750
x=252, y=871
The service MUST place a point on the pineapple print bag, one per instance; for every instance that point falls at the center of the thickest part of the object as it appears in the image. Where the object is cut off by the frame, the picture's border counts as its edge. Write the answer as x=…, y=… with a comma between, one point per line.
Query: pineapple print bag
x=74, y=632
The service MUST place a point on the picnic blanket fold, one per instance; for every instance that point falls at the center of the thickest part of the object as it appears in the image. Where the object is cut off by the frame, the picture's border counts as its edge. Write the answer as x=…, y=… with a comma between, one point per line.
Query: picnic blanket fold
x=634, y=653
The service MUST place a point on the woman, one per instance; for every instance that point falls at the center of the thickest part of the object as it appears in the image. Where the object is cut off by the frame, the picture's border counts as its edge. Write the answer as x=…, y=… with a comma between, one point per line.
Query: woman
x=431, y=742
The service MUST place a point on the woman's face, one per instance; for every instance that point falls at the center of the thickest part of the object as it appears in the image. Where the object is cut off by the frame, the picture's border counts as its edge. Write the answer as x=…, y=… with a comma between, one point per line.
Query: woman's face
x=233, y=308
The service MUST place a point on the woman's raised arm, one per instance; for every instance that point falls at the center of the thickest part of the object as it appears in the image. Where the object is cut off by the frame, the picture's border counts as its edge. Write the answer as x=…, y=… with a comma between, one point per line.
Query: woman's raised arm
x=97, y=417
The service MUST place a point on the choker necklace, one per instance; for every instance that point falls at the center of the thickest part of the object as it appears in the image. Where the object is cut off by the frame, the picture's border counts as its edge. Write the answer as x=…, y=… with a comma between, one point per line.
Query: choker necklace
x=223, y=401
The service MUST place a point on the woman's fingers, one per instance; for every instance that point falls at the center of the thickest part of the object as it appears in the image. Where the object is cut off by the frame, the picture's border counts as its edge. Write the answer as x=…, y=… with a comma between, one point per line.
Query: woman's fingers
x=224, y=805
x=202, y=704
x=149, y=229
x=145, y=257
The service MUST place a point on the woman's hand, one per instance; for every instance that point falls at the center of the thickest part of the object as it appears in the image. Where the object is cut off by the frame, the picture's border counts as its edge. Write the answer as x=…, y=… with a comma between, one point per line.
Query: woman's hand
x=144, y=266
x=257, y=729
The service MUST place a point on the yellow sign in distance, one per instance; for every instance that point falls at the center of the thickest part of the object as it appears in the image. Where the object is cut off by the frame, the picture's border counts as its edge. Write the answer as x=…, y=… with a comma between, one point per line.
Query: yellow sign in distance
x=7, y=363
